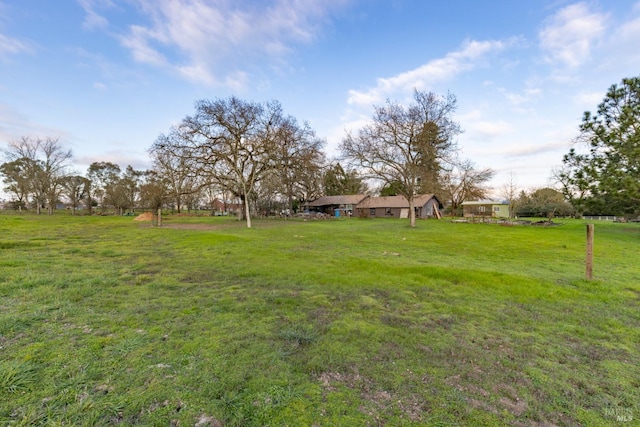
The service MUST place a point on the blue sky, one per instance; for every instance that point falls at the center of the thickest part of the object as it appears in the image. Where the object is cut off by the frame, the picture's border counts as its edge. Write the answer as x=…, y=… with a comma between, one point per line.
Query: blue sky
x=108, y=76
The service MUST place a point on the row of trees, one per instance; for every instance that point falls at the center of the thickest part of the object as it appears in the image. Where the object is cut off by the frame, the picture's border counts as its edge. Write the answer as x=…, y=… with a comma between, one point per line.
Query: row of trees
x=254, y=153
x=257, y=153
x=38, y=173
x=36, y=169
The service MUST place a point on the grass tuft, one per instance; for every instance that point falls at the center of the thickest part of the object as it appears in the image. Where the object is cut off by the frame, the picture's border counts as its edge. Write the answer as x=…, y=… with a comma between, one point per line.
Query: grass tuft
x=16, y=377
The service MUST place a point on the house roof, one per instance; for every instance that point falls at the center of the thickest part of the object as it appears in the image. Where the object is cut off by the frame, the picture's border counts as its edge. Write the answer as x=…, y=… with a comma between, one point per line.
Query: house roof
x=351, y=199
x=395, y=201
x=484, y=202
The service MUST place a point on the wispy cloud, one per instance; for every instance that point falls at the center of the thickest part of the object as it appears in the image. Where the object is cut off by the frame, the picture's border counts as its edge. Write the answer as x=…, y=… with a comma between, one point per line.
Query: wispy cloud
x=490, y=129
x=10, y=46
x=434, y=71
x=14, y=124
x=121, y=157
x=138, y=42
x=93, y=19
x=624, y=41
x=588, y=100
x=520, y=98
x=568, y=36
x=526, y=150
x=211, y=41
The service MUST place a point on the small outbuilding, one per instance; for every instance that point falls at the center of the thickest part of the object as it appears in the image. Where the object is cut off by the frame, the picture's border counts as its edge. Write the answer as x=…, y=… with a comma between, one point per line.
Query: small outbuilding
x=425, y=205
x=486, y=208
x=343, y=205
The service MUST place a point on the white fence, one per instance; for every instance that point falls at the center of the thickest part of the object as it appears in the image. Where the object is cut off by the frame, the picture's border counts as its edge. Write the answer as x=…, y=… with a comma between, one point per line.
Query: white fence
x=602, y=218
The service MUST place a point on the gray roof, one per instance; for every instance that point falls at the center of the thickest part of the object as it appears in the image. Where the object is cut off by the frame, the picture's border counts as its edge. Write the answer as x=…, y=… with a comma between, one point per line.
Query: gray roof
x=351, y=199
x=395, y=201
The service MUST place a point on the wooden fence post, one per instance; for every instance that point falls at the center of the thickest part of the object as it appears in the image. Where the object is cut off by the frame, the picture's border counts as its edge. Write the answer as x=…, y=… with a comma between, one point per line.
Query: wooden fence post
x=159, y=217
x=589, y=259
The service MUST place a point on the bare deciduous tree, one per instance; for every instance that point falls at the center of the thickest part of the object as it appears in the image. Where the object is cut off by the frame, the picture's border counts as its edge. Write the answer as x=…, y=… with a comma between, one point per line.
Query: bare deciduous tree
x=298, y=155
x=406, y=145
x=175, y=166
x=235, y=144
x=45, y=165
x=465, y=182
x=509, y=192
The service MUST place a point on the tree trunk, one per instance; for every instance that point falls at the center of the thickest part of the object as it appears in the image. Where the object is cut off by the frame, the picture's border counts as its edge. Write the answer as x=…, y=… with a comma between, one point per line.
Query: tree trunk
x=412, y=213
x=246, y=211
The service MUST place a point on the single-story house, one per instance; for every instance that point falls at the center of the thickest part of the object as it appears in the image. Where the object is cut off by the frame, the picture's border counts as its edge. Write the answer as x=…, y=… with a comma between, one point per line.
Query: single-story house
x=344, y=205
x=426, y=206
x=484, y=208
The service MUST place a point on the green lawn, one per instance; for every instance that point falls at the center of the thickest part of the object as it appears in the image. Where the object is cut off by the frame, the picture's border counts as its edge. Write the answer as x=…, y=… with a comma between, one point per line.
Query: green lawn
x=108, y=321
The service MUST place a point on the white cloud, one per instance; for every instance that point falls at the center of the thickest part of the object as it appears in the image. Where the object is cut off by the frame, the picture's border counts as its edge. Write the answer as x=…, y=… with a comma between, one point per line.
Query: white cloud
x=589, y=100
x=93, y=20
x=208, y=40
x=474, y=114
x=630, y=30
x=490, y=129
x=535, y=149
x=520, y=98
x=569, y=35
x=120, y=157
x=624, y=43
x=9, y=45
x=14, y=124
x=137, y=42
x=434, y=71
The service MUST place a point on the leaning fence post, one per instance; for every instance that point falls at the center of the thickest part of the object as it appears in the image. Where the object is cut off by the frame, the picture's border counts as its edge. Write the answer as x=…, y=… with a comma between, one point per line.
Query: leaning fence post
x=589, y=259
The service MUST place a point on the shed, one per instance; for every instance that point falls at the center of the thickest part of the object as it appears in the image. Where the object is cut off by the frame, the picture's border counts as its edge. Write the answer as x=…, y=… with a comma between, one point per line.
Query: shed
x=330, y=204
x=486, y=208
x=426, y=206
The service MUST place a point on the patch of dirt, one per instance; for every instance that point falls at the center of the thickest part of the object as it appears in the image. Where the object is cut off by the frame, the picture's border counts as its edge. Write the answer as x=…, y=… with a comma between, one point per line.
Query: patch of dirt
x=376, y=401
x=206, y=421
x=329, y=378
x=147, y=216
x=516, y=407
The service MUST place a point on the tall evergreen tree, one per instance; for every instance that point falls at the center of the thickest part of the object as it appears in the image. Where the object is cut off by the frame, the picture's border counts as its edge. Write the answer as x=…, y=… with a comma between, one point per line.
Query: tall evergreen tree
x=606, y=179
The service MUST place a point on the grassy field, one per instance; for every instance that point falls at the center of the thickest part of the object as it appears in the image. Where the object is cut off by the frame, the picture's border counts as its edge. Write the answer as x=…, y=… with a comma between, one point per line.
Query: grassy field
x=109, y=321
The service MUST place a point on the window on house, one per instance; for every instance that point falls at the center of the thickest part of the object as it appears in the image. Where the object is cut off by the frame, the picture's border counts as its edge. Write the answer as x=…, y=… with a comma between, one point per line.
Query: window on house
x=496, y=208
x=372, y=211
x=480, y=208
x=388, y=211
